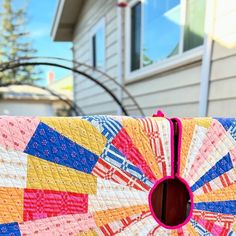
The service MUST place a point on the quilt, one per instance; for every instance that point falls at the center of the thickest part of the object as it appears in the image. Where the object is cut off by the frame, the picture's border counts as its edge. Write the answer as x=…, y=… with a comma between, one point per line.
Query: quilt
x=93, y=175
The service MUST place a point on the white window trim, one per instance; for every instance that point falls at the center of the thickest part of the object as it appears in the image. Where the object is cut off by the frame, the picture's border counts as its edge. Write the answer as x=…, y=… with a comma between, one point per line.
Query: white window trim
x=157, y=67
x=101, y=24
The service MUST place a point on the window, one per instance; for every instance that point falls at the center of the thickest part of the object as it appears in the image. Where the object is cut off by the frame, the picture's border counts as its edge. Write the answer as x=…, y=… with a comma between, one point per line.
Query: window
x=136, y=36
x=194, y=24
x=157, y=32
x=98, y=46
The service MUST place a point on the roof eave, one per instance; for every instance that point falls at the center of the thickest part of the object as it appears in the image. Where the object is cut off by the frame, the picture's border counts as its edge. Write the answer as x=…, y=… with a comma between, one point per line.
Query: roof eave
x=65, y=20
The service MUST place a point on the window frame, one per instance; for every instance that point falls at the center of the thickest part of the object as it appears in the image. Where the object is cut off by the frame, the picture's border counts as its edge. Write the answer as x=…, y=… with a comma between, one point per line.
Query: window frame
x=100, y=24
x=182, y=58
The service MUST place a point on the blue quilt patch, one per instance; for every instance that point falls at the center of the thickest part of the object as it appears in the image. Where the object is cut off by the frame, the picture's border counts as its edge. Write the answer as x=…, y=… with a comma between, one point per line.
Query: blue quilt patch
x=48, y=144
x=114, y=157
x=10, y=229
x=229, y=124
x=225, y=207
x=107, y=126
x=222, y=166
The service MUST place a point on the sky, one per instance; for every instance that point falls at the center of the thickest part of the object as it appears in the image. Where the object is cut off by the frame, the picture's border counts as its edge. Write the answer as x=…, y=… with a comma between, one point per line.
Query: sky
x=40, y=18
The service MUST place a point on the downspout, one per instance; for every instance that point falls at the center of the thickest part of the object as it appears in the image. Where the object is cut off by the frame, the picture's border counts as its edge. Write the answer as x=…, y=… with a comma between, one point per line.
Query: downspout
x=206, y=60
x=120, y=8
x=205, y=76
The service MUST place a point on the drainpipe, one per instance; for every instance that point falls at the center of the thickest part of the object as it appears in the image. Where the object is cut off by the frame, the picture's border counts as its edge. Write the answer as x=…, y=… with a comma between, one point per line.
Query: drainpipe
x=206, y=59
x=205, y=76
x=120, y=6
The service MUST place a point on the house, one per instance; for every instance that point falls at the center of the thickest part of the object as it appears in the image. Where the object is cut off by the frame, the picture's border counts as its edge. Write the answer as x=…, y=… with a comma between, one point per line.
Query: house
x=24, y=100
x=175, y=55
x=62, y=86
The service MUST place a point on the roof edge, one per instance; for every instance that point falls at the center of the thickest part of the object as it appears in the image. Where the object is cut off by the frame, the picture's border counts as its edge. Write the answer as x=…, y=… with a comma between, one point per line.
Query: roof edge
x=65, y=19
x=56, y=19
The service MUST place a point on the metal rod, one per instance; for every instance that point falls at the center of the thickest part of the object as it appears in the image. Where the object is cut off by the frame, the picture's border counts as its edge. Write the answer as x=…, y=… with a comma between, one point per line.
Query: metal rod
x=18, y=64
x=86, y=66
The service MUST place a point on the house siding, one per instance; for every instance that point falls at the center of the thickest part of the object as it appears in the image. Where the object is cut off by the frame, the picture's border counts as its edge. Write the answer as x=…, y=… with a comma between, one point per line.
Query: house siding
x=26, y=108
x=222, y=95
x=91, y=98
x=175, y=91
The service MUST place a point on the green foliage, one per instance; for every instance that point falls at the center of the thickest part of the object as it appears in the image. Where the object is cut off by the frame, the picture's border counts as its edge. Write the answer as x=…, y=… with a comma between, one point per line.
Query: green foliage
x=146, y=60
x=14, y=43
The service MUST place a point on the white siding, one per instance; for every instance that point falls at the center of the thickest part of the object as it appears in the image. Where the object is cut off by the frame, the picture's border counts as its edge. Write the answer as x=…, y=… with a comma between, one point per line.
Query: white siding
x=176, y=91
x=222, y=95
x=90, y=97
x=26, y=108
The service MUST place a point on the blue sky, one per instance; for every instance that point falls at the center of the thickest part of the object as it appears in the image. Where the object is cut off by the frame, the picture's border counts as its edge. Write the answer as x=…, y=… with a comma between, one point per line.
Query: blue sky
x=40, y=18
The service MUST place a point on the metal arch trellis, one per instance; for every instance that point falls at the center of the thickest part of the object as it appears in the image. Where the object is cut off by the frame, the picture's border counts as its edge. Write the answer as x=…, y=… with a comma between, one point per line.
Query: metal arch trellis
x=32, y=61
x=72, y=69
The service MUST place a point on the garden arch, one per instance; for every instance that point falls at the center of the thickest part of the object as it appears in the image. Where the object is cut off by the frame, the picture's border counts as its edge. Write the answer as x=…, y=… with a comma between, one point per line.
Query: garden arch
x=77, y=68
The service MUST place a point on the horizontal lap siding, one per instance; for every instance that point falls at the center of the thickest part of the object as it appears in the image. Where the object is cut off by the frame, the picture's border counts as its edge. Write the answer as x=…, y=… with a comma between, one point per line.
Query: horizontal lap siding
x=176, y=92
x=222, y=94
x=90, y=97
x=180, y=110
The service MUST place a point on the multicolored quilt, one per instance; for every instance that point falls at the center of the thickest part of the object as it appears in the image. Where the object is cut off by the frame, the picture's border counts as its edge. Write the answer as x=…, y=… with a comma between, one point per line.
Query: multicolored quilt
x=93, y=175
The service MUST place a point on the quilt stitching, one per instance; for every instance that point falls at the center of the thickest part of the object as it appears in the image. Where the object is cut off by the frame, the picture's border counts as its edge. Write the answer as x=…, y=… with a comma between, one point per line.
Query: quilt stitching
x=91, y=175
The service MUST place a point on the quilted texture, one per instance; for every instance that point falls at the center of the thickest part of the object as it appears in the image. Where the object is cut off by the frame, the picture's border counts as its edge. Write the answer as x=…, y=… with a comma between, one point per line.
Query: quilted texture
x=92, y=175
x=207, y=161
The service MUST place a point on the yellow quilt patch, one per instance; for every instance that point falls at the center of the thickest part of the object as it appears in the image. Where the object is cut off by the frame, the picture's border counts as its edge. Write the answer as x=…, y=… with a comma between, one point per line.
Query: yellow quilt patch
x=105, y=217
x=47, y=175
x=226, y=194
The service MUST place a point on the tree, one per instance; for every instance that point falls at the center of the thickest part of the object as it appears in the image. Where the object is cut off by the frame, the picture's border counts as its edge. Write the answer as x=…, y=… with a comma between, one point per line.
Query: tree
x=14, y=43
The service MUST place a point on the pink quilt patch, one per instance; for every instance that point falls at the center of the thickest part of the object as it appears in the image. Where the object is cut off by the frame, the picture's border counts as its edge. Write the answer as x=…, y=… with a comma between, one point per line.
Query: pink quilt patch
x=40, y=204
x=15, y=132
x=59, y=225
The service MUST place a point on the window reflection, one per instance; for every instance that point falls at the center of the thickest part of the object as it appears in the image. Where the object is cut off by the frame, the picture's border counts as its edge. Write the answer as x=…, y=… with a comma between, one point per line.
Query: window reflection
x=136, y=36
x=98, y=41
x=161, y=30
x=194, y=26
x=156, y=30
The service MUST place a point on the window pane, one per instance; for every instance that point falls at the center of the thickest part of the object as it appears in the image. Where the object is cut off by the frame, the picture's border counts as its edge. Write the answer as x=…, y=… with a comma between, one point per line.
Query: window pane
x=98, y=41
x=194, y=28
x=94, y=50
x=161, y=30
x=135, y=36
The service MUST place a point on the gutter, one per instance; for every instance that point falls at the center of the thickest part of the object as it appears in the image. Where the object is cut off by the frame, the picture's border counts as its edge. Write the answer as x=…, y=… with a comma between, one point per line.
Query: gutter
x=56, y=18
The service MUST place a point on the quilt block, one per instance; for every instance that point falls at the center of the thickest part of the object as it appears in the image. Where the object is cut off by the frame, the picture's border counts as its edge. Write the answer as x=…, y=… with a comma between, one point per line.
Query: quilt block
x=94, y=175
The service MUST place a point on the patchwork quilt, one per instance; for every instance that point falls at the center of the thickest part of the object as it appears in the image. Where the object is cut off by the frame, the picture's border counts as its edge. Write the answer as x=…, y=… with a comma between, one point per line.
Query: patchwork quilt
x=93, y=175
